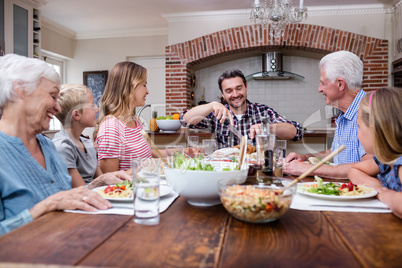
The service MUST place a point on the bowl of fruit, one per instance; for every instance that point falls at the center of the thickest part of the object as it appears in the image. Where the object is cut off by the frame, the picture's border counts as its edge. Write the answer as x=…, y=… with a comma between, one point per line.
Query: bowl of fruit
x=169, y=124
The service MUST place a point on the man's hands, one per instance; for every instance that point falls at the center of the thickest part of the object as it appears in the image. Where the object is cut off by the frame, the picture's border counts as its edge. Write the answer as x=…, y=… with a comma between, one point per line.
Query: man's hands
x=221, y=112
x=294, y=156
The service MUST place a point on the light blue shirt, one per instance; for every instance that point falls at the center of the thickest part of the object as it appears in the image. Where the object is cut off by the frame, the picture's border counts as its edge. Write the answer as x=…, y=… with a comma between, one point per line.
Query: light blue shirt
x=24, y=182
x=346, y=134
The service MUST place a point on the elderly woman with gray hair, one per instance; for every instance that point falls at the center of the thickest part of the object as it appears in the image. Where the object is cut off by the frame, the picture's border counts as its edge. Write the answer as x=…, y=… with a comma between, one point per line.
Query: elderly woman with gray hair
x=33, y=176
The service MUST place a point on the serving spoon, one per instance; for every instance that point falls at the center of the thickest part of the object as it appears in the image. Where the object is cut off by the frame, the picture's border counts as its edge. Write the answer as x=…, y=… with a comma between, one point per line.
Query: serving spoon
x=305, y=174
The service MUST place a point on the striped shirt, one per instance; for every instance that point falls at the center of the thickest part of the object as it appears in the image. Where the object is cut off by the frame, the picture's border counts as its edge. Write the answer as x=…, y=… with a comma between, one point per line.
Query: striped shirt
x=346, y=134
x=253, y=115
x=116, y=140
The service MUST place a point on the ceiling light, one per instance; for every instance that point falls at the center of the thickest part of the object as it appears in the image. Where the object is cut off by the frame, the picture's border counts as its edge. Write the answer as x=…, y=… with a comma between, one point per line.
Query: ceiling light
x=278, y=14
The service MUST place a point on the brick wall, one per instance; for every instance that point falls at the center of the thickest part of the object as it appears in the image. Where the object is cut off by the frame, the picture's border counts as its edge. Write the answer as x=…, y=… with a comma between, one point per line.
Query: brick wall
x=302, y=37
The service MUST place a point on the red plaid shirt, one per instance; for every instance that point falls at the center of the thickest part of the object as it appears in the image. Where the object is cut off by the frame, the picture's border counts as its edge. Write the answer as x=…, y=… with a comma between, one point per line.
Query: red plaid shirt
x=253, y=115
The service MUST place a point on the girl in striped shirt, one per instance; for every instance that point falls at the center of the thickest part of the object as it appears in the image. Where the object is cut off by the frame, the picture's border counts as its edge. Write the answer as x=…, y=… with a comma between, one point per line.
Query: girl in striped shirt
x=118, y=132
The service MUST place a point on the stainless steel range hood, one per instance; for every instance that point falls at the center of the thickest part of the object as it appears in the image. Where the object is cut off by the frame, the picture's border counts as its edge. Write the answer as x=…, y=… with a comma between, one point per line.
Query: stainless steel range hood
x=272, y=69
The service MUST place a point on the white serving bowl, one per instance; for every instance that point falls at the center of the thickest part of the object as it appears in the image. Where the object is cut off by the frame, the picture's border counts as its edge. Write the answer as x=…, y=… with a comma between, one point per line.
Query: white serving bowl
x=168, y=125
x=201, y=187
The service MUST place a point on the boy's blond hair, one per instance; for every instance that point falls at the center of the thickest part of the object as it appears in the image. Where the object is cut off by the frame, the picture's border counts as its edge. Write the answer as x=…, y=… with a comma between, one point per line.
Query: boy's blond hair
x=71, y=97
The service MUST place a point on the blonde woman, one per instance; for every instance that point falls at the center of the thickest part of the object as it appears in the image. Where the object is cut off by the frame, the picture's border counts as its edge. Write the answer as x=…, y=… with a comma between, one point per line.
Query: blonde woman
x=118, y=133
x=380, y=132
x=79, y=112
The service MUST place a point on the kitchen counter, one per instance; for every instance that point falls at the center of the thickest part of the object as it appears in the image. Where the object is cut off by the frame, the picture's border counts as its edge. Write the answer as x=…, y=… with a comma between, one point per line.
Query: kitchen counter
x=319, y=132
x=163, y=139
x=314, y=140
x=181, y=131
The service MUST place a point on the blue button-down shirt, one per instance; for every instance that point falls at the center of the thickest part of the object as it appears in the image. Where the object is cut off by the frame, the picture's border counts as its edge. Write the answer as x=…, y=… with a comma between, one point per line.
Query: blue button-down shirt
x=24, y=182
x=346, y=134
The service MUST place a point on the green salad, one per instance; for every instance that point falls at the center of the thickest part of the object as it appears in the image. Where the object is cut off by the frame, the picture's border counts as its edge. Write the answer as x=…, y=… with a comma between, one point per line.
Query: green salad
x=180, y=161
x=168, y=117
x=198, y=163
x=327, y=188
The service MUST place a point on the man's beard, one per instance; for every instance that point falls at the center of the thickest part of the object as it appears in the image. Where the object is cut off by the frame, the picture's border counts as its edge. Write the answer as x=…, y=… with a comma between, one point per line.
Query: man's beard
x=237, y=106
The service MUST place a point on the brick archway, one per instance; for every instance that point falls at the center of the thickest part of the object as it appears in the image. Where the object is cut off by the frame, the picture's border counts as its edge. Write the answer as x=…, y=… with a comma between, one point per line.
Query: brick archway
x=303, y=37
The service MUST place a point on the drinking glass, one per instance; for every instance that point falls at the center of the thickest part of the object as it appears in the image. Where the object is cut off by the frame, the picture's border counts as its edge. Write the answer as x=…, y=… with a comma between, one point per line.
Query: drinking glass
x=146, y=190
x=265, y=145
x=281, y=144
x=210, y=146
x=193, y=141
x=170, y=152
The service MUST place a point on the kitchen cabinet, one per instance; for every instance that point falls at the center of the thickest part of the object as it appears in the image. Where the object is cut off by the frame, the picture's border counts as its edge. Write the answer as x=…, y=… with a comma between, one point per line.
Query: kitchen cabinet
x=36, y=44
x=22, y=28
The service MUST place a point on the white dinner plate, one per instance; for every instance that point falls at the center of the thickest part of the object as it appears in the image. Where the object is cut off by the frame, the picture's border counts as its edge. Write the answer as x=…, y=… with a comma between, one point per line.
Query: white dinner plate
x=300, y=189
x=164, y=190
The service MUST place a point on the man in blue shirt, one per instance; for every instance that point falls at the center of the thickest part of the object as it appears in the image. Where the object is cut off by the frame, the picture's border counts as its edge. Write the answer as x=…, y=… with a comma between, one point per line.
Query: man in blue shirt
x=340, y=83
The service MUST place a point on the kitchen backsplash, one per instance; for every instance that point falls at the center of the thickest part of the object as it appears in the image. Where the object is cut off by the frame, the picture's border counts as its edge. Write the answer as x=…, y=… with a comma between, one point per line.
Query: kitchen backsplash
x=297, y=100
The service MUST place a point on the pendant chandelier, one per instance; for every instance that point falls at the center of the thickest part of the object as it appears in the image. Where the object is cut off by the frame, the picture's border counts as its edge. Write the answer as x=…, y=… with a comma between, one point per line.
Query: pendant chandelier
x=278, y=14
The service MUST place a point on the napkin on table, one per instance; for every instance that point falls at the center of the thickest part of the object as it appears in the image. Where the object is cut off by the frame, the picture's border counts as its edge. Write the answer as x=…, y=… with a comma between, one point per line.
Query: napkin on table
x=304, y=202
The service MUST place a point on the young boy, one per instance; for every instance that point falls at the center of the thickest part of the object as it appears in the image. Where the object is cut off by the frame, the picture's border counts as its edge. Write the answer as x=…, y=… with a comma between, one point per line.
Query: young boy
x=79, y=112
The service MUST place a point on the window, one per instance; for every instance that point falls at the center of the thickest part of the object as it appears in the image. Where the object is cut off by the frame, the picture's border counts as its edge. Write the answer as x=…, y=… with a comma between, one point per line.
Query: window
x=58, y=65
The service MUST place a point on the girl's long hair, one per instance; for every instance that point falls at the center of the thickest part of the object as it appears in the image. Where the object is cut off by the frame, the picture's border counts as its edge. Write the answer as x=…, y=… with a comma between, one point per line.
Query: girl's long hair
x=383, y=114
x=117, y=99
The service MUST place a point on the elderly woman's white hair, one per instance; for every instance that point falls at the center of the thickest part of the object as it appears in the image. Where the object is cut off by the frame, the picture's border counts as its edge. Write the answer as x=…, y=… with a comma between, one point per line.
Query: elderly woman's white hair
x=346, y=65
x=26, y=71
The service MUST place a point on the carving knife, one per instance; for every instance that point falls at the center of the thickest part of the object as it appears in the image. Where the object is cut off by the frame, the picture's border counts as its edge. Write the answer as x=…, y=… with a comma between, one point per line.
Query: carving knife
x=233, y=129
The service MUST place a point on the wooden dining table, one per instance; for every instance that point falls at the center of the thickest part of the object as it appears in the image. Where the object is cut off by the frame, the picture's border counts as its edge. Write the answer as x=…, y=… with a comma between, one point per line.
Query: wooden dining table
x=190, y=236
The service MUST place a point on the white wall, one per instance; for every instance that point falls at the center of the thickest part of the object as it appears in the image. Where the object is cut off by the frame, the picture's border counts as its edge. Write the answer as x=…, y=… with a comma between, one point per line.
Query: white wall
x=103, y=54
x=57, y=43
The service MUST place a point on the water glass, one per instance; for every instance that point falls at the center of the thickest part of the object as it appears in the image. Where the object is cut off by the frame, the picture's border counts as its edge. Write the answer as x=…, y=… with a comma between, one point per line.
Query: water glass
x=193, y=141
x=265, y=145
x=281, y=144
x=170, y=152
x=210, y=146
x=146, y=190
